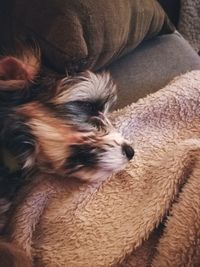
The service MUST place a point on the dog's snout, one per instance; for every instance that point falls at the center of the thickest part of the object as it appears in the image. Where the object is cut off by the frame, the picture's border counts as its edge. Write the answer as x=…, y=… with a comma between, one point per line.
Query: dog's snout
x=128, y=151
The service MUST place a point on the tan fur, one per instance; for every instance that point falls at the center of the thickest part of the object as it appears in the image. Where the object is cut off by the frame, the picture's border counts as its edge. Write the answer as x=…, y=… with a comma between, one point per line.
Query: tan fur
x=53, y=135
x=31, y=62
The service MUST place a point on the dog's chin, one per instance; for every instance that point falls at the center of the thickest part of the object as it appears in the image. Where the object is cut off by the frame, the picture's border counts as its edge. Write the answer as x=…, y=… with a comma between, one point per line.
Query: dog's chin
x=93, y=176
x=99, y=173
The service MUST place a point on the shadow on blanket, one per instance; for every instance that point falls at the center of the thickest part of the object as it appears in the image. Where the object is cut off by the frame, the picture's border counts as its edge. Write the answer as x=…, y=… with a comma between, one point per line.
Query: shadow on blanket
x=147, y=215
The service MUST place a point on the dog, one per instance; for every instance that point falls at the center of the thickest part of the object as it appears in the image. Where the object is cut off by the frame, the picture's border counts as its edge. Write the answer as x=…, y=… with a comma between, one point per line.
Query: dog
x=53, y=126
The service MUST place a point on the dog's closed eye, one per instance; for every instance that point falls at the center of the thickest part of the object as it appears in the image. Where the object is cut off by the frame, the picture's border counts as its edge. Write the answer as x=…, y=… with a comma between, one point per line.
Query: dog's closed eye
x=100, y=123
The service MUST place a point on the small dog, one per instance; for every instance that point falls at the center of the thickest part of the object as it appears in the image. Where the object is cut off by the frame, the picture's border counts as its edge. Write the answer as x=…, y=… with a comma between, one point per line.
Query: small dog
x=56, y=126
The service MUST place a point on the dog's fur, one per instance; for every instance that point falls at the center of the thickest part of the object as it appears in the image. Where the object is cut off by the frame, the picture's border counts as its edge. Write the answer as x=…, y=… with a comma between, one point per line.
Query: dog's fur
x=55, y=126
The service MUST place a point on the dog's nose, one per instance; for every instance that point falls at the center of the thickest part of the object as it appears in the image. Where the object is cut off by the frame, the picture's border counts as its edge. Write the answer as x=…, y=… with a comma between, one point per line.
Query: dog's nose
x=128, y=151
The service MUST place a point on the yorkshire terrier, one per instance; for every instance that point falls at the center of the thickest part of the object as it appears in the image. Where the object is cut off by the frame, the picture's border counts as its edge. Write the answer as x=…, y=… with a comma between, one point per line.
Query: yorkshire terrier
x=56, y=126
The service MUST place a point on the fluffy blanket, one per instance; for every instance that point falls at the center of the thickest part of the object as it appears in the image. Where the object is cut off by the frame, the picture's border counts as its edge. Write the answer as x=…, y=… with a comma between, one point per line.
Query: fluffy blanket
x=189, y=22
x=147, y=215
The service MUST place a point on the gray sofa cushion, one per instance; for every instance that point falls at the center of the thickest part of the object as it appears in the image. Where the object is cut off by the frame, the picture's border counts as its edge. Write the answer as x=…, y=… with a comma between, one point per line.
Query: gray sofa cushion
x=151, y=66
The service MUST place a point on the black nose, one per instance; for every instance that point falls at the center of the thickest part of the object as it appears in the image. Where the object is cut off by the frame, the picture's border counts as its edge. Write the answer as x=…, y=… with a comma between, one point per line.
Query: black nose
x=128, y=151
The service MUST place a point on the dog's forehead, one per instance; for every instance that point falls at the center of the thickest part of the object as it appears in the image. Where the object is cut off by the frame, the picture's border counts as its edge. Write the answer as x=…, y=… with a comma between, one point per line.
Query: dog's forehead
x=41, y=114
x=46, y=123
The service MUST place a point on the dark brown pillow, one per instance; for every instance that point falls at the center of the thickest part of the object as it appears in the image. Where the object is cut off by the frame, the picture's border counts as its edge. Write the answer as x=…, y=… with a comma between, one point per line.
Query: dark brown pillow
x=88, y=34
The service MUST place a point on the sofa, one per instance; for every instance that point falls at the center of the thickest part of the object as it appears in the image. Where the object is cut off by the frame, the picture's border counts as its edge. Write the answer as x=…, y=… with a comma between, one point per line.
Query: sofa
x=142, y=69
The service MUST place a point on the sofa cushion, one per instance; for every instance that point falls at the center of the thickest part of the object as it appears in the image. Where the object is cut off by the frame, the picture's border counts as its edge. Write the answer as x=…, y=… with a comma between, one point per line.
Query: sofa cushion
x=86, y=34
x=151, y=66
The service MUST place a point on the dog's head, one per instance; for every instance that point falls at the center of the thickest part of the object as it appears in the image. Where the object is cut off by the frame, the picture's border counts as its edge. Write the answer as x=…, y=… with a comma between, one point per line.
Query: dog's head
x=68, y=132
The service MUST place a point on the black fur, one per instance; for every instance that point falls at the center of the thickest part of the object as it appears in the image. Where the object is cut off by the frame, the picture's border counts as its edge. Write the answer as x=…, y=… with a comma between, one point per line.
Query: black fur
x=83, y=155
x=10, y=183
x=77, y=111
x=16, y=136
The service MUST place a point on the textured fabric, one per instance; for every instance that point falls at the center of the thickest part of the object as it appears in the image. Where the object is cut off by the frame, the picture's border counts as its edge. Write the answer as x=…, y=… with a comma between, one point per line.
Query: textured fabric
x=113, y=223
x=189, y=22
x=151, y=66
x=87, y=34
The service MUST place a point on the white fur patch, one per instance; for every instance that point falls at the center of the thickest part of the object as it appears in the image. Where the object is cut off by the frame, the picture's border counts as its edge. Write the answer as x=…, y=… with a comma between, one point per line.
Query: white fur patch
x=89, y=87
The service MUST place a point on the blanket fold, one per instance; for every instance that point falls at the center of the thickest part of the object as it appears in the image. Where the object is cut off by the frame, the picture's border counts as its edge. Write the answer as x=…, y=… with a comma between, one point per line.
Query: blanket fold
x=147, y=215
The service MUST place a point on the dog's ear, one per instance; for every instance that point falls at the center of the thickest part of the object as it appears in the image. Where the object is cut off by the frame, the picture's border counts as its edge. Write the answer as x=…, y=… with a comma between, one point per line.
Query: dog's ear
x=86, y=96
x=17, y=72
